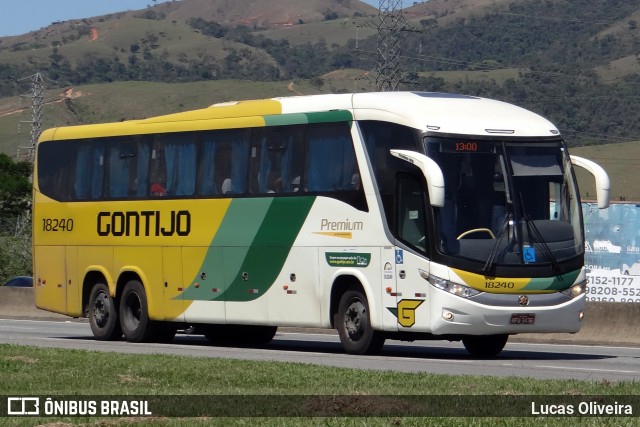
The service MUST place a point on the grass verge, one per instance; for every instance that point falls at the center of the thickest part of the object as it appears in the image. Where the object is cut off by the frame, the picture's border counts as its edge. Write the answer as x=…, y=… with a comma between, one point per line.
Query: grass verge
x=28, y=371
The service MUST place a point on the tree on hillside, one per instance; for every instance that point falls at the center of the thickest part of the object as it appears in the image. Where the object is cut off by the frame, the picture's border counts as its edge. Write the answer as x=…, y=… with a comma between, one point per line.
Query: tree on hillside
x=15, y=227
x=15, y=189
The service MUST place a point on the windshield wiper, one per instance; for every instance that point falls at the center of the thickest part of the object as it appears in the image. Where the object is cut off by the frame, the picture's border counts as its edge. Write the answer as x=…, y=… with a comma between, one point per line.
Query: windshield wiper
x=490, y=264
x=531, y=226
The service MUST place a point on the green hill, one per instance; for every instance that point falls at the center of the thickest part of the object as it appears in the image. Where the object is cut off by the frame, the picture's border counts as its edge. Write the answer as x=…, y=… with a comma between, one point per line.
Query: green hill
x=573, y=62
x=118, y=101
x=621, y=161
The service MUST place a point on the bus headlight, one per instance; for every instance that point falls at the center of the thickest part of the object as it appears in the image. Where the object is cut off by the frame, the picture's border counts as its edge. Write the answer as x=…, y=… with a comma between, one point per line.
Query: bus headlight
x=576, y=290
x=452, y=287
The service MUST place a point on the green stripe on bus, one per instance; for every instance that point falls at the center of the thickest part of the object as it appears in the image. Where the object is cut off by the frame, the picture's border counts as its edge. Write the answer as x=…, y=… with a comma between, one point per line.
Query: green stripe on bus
x=304, y=118
x=286, y=119
x=330, y=116
x=558, y=283
x=255, y=237
x=242, y=222
x=229, y=248
x=270, y=249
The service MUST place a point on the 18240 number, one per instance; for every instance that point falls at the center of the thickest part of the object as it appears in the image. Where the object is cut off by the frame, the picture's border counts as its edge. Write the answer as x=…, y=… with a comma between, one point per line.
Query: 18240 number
x=57, y=224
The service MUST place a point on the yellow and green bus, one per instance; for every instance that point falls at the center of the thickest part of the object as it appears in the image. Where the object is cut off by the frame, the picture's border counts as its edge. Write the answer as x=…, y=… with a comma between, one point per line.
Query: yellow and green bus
x=404, y=215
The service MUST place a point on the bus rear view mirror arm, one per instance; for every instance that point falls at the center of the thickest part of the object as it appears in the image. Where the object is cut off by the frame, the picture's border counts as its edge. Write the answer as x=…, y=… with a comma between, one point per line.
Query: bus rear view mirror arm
x=431, y=171
x=603, y=185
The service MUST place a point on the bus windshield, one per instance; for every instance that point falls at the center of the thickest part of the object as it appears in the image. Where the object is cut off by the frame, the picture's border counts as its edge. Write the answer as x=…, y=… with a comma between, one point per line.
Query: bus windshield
x=507, y=203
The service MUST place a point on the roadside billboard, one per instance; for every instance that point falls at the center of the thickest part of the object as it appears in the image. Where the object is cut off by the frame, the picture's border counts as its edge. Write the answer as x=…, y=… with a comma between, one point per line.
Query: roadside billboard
x=612, y=252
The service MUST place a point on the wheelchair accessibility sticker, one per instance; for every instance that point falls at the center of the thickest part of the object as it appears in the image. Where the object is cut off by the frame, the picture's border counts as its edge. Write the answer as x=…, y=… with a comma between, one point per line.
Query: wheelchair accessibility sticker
x=399, y=256
x=529, y=254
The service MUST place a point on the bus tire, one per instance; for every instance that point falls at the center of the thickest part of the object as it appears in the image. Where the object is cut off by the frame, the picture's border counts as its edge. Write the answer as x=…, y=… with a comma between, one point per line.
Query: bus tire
x=103, y=315
x=485, y=345
x=354, y=325
x=134, y=314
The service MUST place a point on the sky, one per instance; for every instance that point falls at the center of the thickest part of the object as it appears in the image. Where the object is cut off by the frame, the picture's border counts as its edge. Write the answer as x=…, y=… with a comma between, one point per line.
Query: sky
x=22, y=16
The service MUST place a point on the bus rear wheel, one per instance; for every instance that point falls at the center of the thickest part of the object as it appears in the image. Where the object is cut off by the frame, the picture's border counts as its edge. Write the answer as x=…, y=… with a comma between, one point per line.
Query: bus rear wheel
x=354, y=325
x=103, y=316
x=485, y=345
x=134, y=314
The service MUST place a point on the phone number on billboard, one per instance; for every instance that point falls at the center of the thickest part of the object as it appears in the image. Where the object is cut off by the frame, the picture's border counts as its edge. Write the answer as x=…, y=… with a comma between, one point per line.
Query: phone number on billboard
x=610, y=280
x=612, y=289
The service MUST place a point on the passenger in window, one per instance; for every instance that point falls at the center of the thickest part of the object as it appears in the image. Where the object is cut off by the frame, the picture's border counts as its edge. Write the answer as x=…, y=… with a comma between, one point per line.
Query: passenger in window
x=355, y=181
x=158, y=190
x=295, y=184
x=276, y=186
x=226, y=186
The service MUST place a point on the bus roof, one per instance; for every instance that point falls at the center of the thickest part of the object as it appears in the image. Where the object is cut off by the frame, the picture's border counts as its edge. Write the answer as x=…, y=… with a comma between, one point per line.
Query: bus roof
x=427, y=111
x=443, y=113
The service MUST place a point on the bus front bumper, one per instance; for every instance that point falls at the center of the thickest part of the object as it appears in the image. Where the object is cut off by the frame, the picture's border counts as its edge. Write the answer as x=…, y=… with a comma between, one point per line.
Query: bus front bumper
x=454, y=315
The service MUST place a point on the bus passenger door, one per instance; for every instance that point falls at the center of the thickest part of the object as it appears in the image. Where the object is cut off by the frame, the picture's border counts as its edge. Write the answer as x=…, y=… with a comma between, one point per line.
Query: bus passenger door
x=411, y=264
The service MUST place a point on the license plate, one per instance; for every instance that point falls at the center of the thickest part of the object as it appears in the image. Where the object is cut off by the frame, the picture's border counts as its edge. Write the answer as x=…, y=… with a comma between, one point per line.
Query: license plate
x=523, y=318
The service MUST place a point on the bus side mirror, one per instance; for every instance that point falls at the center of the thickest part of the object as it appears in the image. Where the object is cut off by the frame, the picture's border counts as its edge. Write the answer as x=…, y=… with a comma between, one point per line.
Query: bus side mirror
x=431, y=171
x=603, y=185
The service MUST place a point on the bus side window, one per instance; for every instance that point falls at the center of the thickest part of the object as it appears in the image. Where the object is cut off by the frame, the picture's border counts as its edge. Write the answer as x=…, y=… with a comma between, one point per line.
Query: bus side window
x=122, y=167
x=89, y=171
x=273, y=153
x=57, y=164
x=410, y=216
x=281, y=159
x=239, y=160
x=179, y=167
x=221, y=158
x=157, y=169
x=379, y=138
x=330, y=158
x=141, y=180
x=207, y=166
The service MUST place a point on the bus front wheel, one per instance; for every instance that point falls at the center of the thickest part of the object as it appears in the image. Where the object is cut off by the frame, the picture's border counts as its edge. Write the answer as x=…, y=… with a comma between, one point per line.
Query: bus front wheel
x=354, y=325
x=134, y=314
x=103, y=316
x=484, y=345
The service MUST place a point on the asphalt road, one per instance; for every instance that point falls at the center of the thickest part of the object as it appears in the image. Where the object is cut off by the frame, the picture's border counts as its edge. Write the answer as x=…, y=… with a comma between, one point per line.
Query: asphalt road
x=543, y=361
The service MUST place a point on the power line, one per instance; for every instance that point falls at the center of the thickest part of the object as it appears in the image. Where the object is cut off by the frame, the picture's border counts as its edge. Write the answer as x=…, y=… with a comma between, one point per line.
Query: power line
x=607, y=137
x=553, y=18
x=478, y=66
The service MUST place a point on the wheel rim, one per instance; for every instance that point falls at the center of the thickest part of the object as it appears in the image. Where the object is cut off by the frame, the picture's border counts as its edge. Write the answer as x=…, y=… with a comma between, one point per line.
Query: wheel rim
x=133, y=311
x=101, y=309
x=355, y=319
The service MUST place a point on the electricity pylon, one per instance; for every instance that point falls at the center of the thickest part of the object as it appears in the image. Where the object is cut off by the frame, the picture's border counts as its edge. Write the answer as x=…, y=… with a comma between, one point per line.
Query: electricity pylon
x=392, y=28
x=37, y=100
